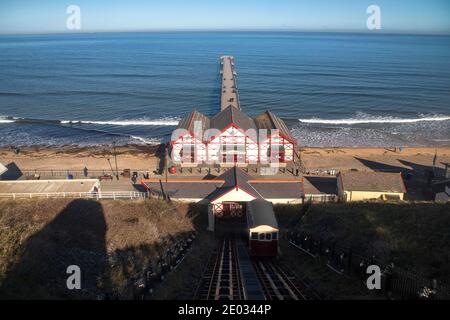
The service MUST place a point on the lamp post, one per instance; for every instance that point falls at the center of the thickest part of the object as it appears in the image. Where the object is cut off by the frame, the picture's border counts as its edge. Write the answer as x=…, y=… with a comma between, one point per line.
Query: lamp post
x=115, y=159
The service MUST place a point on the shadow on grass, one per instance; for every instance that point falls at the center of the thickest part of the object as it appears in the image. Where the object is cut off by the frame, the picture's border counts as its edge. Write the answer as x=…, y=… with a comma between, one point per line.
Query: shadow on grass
x=76, y=236
x=412, y=236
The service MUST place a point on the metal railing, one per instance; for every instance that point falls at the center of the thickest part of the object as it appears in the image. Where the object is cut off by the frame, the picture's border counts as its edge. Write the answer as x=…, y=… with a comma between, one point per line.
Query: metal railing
x=321, y=198
x=78, y=195
x=343, y=259
x=78, y=173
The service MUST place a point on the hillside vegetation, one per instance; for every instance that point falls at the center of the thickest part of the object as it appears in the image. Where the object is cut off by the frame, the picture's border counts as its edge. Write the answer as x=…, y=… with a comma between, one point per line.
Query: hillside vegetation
x=111, y=241
x=414, y=236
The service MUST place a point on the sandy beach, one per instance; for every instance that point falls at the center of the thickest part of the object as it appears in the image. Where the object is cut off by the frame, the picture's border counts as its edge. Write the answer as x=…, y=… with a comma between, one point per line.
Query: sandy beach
x=143, y=157
x=371, y=158
x=75, y=158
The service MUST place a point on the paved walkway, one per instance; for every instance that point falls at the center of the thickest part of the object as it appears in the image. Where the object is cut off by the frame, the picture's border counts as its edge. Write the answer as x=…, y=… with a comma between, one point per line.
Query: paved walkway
x=229, y=91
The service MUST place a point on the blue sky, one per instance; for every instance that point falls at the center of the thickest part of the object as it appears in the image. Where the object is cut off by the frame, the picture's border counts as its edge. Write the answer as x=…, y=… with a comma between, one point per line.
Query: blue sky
x=42, y=16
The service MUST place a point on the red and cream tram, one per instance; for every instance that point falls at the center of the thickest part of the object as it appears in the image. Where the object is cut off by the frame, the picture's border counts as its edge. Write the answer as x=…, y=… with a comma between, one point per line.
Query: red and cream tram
x=263, y=228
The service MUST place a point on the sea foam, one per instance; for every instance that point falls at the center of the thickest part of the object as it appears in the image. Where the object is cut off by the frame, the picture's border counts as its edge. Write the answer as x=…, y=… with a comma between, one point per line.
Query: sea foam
x=137, y=122
x=371, y=119
x=132, y=122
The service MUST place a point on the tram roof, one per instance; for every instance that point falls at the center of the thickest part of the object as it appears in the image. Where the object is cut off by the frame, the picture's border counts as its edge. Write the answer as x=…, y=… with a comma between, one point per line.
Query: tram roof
x=260, y=212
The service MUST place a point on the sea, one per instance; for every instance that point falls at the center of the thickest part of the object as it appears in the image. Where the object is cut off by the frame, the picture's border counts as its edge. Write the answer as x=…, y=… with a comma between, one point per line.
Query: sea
x=331, y=89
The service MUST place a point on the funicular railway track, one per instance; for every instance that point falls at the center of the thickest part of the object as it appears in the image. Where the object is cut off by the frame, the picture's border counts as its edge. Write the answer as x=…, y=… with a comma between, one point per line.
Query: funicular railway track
x=222, y=277
x=276, y=283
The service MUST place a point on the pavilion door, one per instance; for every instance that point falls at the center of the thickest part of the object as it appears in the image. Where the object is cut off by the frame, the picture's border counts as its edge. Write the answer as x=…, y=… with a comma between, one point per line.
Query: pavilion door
x=187, y=154
x=231, y=210
x=226, y=210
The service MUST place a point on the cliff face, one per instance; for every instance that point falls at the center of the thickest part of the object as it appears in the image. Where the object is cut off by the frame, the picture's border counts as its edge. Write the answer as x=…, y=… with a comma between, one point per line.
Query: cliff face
x=113, y=243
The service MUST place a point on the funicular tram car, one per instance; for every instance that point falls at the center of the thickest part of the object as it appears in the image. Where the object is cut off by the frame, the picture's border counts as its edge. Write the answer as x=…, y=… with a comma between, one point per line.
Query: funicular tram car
x=262, y=228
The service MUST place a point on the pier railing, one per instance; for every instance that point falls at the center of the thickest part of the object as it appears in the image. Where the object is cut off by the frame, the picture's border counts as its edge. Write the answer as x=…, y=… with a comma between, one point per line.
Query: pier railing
x=78, y=195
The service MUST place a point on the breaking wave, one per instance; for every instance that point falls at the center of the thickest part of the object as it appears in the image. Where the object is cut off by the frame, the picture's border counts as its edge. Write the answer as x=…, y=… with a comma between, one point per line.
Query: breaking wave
x=365, y=119
x=149, y=141
x=136, y=122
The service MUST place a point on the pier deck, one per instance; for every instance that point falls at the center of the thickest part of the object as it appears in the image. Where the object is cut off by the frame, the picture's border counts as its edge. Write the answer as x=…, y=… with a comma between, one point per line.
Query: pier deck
x=229, y=91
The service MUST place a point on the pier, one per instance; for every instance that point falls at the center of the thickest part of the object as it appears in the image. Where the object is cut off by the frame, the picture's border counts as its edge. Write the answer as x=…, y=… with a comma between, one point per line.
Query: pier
x=229, y=91
x=234, y=142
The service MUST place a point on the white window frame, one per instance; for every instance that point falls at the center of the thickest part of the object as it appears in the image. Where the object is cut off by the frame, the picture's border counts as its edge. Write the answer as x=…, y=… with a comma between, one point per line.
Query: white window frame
x=266, y=236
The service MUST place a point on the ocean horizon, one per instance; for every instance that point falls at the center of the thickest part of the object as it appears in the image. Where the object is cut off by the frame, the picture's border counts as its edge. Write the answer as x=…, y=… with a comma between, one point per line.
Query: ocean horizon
x=332, y=89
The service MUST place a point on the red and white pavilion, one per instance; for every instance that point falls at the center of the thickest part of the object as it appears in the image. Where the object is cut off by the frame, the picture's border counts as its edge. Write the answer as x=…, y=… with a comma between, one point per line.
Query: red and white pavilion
x=232, y=137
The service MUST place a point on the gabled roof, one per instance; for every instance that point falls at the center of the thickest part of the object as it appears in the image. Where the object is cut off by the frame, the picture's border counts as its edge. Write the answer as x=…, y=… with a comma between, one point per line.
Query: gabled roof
x=188, y=122
x=279, y=189
x=232, y=115
x=234, y=178
x=269, y=121
x=183, y=189
x=372, y=181
x=3, y=169
x=48, y=186
x=261, y=213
